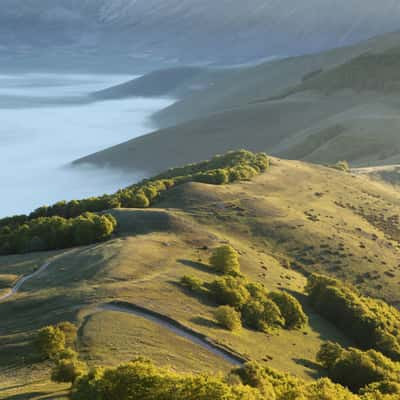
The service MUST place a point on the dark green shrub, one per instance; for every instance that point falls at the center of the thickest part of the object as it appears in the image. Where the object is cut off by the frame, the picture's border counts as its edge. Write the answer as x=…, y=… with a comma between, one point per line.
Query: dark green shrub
x=225, y=259
x=262, y=315
x=371, y=323
x=49, y=342
x=68, y=370
x=290, y=308
x=70, y=331
x=228, y=318
x=329, y=353
x=229, y=291
x=356, y=369
x=193, y=284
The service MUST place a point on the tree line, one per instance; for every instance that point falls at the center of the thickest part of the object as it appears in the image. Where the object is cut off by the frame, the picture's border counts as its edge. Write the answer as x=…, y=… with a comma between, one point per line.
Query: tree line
x=49, y=233
x=222, y=169
x=371, y=323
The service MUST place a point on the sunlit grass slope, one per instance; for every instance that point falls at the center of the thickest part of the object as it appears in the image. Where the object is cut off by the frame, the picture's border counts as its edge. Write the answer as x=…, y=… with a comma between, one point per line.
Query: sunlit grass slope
x=293, y=219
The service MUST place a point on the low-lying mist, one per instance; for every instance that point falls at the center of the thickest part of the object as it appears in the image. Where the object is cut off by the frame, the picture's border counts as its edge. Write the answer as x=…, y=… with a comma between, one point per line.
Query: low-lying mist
x=47, y=121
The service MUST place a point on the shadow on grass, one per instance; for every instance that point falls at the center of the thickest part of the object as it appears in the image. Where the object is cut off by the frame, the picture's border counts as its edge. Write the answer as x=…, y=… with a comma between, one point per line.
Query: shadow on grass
x=40, y=395
x=27, y=396
x=208, y=323
x=196, y=265
x=316, y=371
x=201, y=297
x=3, y=389
x=326, y=330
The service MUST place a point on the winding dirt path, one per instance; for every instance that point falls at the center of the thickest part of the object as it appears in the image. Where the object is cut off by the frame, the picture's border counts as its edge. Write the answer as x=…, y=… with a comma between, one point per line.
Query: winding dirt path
x=176, y=328
x=127, y=308
x=15, y=289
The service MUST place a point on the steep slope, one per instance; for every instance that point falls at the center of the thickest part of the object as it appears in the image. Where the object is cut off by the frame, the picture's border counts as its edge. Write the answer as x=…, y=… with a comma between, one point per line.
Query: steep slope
x=293, y=219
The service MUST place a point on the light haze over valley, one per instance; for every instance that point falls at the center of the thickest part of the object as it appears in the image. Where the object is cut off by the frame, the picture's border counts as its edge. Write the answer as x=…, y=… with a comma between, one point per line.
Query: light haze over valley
x=48, y=120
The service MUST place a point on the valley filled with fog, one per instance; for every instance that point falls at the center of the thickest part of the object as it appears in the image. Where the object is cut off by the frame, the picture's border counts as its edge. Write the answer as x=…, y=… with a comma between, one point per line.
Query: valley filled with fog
x=47, y=121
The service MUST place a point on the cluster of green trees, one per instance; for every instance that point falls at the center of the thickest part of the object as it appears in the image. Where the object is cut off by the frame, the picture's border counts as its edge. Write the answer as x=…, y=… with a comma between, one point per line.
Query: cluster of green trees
x=371, y=323
x=57, y=343
x=360, y=371
x=245, y=301
x=48, y=233
x=140, y=379
x=231, y=167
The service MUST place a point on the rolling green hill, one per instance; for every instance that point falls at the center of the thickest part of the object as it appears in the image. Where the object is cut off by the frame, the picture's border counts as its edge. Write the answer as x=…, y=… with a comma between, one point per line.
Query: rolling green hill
x=291, y=220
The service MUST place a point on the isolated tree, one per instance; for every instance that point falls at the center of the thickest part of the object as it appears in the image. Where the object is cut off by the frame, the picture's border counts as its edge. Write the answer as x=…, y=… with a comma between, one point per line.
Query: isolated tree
x=225, y=259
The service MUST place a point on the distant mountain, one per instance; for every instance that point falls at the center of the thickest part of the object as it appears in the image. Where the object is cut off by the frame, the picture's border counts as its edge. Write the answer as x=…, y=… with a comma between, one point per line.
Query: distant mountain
x=151, y=32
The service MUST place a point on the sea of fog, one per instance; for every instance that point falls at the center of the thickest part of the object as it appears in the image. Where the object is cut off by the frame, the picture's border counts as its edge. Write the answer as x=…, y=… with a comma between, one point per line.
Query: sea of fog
x=47, y=121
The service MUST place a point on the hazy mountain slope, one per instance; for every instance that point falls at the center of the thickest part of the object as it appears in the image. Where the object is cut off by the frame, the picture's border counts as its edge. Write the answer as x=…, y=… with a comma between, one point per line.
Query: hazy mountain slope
x=295, y=217
x=262, y=126
x=268, y=80
x=174, y=82
x=361, y=128
x=291, y=108
x=226, y=31
x=387, y=173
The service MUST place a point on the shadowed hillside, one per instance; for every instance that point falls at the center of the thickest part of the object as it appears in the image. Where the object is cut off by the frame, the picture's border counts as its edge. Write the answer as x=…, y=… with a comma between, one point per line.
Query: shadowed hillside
x=341, y=104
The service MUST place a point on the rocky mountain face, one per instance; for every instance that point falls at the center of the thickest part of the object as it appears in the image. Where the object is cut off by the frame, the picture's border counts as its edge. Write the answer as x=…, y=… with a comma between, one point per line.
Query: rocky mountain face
x=189, y=31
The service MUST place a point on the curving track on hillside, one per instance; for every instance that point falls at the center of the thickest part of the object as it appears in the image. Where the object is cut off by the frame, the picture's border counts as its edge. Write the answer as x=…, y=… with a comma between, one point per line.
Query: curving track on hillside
x=128, y=308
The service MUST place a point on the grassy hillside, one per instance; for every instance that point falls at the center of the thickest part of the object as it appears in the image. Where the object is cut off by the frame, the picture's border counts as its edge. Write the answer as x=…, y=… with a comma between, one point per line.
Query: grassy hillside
x=314, y=108
x=268, y=80
x=174, y=82
x=293, y=219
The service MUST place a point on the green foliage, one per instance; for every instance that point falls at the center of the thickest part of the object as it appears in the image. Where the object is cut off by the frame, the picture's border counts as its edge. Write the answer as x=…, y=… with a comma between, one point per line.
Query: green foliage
x=48, y=233
x=140, y=379
x=262, y=315
x=70, y=331
x=228, y=318
x=49, y=227
x=229, y=291
x=259, y=309
x=290, y=308
x=384, y=387
x=49, y=342
x=66, y=354
x=225, y=259
x=357, y=369
x=328, y=354
x=193, y=284
x=68, y=370
x=371, y=323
